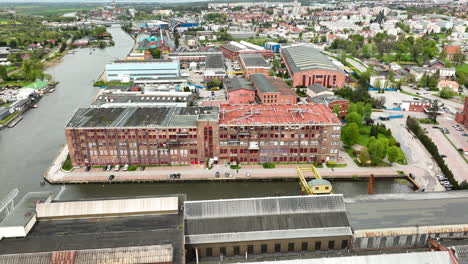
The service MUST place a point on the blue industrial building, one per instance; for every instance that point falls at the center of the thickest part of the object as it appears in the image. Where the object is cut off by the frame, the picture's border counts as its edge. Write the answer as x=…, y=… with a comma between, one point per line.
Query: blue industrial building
x=130, y=70
x=275, y=47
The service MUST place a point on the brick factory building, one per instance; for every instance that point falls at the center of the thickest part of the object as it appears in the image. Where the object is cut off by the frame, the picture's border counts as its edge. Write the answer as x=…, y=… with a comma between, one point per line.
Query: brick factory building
x=233, y=49
x=272, y=90
x=254, y=63
x=191, y=135
x=239, y=91
x=462, y=116
x=306, y=66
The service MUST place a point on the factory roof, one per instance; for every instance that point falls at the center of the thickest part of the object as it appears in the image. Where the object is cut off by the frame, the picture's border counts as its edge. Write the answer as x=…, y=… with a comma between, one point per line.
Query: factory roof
x=317, y=88
x=214, y=61
x=326, y=99
x=139, y=98
x=277, y=114
x=442, y=257
x=238, y=83
x=136, y=206
x=305, y=58
x=389, y=211
x=24, y=211
x=271, y=85
x=267, y=218
x=106, y=234
x=254, y=60
x=139, y=116
x=141, y=254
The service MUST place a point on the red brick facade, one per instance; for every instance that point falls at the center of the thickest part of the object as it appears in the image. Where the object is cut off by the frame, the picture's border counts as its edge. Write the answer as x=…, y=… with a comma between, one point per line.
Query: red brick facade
x=462, y=117
x=323, y=77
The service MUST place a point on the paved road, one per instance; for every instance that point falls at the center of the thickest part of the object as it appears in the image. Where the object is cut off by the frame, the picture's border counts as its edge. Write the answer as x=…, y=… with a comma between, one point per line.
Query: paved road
x=454, y=161
x=356, y=65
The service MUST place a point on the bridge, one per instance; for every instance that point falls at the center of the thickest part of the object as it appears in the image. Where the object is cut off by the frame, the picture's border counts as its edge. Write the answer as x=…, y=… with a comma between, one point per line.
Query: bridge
x=315, y=186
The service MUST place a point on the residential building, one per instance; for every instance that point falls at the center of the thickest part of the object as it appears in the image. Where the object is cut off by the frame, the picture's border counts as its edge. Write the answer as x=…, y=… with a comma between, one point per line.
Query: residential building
x=239, y=91
x=306, y=66
x=462, y=116
x=452, y=51
x=272, y=90
x=452, y=85
x=130, y=70
x=192, y=135
x=260, y=226
x=254, y=63
x=447, y=73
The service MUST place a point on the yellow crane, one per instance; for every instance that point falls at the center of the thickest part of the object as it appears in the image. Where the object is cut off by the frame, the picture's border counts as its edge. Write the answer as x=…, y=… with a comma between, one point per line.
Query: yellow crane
x=315, y=186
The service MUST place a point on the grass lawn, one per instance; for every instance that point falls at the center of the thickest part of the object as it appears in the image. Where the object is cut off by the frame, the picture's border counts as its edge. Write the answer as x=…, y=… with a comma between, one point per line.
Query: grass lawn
x=111, y=83
x=67, y=166
x=15, y=83
x=462, y=68
x=412, y=94
x=8, y=118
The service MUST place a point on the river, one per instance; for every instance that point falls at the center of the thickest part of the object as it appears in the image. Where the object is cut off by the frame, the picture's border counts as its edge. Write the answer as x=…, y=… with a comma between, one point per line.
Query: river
x=27, y=149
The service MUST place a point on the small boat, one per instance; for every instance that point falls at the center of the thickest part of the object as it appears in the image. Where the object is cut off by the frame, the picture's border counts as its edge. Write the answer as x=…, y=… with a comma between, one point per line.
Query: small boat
x=52, y=90
x=15, y=121
x=34, y=106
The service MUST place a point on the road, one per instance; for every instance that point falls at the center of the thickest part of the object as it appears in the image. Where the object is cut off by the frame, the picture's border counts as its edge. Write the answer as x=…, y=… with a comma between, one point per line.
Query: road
x=420, y=162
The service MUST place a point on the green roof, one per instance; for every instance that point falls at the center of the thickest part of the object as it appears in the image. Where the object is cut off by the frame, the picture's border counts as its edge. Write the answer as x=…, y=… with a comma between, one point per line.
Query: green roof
x=38, y=85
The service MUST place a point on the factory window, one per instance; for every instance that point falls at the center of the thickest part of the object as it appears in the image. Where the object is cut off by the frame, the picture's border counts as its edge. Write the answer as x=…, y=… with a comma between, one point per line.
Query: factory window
x=250, y=249
x=290, y=246
x=318, y=245
x=304, y=246
x=222, y=251
x=209, y=252
x=409, y=241
x=264, y=248
x=236, y=250
x=331, y=244
x=277, y=247
x=344, y=244
x=396, y=241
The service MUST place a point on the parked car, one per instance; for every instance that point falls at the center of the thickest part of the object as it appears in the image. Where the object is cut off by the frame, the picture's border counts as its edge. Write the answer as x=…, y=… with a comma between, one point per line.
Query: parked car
x=117, y=167
x=415, y=98
x=443, y=156
x=125, y=168
x=88, y=168
x=109, y=167
x=435, y=127
x=465, y=134
x=111, y=177
x=142, y=168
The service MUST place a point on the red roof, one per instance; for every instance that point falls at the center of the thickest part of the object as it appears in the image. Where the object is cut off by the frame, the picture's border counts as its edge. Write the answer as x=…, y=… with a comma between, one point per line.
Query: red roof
x=452, y=50
x=277, y=114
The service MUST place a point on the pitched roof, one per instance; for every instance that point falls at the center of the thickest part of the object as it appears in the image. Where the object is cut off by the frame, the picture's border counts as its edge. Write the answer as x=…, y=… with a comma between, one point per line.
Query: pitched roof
x=238, y=83
x=452, y=50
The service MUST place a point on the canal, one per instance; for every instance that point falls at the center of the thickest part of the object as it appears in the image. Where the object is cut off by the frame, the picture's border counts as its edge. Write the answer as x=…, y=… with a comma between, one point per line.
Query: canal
x=27, y=149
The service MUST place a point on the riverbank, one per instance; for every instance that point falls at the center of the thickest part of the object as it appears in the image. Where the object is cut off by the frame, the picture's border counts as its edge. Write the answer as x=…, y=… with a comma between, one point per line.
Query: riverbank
x=55, y=174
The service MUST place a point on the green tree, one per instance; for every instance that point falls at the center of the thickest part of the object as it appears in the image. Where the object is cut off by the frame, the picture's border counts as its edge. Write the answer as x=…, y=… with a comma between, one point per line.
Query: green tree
x=156, y=53
x=336, y=110
x=447, y=93
x=393, y=154
x=367, y=111
x=364, y=156
x=350, y=134
x=4, y=73
x=377, y=149
x=355, y=118
x=215, y=83
x=101, y=44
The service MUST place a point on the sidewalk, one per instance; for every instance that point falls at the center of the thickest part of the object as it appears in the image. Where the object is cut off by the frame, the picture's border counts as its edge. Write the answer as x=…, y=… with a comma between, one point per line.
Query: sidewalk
x=193, y=173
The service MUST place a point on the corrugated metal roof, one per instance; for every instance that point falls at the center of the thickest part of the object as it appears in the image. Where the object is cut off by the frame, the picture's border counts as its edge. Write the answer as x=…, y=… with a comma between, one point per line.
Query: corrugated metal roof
x=461, y=252
x=264, y=206
x=306, y=58
x=34, y=258
x=145, y=254
x=434, y=257
x=268, y=235
x=107, y=207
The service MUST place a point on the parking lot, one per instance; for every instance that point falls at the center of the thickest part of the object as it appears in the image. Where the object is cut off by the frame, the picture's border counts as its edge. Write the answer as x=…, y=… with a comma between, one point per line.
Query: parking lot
x=453, y=159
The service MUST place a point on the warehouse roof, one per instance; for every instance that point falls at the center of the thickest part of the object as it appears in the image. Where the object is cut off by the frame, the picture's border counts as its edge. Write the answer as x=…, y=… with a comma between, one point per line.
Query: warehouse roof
x=408, y=210
x=268, y=218
x=138, y=116
x=137, y=206
x=305, y=58
x=214, y=61
x=141, y=254
x=271, y=85
x=277, y=114
x=442, y=257
x=105, y=234
x=326, y=99
x=254, y=60
x=238, y=83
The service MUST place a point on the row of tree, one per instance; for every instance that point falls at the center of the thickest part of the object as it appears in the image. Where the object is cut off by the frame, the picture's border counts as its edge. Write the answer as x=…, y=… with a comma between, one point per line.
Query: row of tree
x=414, y=126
